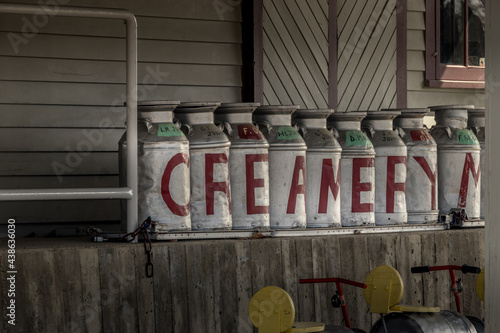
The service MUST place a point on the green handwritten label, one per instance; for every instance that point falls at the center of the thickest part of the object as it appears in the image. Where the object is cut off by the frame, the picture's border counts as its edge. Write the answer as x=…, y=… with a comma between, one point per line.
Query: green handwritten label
x=357, y=138
x=169, y=130
x=287, y=133
x=466, y=137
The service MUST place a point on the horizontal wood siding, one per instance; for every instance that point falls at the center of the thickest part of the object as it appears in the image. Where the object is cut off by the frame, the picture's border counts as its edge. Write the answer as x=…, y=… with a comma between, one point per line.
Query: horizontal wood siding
x=62, y=88
x=206, y=286
x=419, y=95
x=295, y=48
x=366, y=55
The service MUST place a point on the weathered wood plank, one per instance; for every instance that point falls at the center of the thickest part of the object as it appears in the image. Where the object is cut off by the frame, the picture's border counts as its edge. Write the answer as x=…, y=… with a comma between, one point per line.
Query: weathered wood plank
x=19, y=115
x=179, y=285
x=333, y=268
x=290, y=276
x=244, y=289
x=290, y=41
x=39, y=164
x=305, y=292
x=60, y=212
x=438, y=97
x=322, y=299
x=416, y=5
x=34, y=290
x=275, y=91
x=162, y=28
x=72, y=70
x=278, y=45
x=415, y=61
x=225, y=287
x=195, y=288
x=90, y=308
x=163, y=306
x=415, y=20
x=69, y=286
x=372, y=68
x=442, y=278
x=59, y=139
x=145, y=288
x=211, y=316
x=52, y=182
x=200, y=9
x=409, y=254
x=81, y=47
x=110, y=289
x=106, y=94
x=47, y=271
x=416, y=40
x=369, y=54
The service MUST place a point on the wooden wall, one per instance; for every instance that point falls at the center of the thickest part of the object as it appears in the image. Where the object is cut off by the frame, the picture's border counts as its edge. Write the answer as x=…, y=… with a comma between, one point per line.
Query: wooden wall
x=206, y=286
x=418, y=95
x=295, y=45
x=60, y=78
x=366, y=55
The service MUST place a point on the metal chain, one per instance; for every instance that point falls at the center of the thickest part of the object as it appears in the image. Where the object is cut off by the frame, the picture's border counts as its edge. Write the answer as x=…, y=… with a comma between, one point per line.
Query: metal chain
x=143, y=228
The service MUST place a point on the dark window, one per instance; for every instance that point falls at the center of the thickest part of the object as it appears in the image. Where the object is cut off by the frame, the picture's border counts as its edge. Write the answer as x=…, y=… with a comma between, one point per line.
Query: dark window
x=455, y=43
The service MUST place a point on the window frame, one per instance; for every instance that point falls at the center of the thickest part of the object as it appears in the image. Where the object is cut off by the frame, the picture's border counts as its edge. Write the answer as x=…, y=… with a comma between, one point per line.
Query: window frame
x=439, y=75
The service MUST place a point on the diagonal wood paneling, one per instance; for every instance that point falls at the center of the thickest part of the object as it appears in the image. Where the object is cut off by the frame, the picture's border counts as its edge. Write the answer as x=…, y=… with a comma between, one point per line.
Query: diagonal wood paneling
x=295, y=47
x=367, y=55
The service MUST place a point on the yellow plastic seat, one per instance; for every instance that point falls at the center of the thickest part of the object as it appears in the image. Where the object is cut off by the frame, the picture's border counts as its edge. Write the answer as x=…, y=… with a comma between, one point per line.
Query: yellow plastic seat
x=480, y=285
x=385, y=290
x=271, y=310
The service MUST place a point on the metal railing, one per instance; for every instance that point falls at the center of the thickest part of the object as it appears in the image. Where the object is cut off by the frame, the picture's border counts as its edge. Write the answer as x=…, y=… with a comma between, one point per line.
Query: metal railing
x=130, y=191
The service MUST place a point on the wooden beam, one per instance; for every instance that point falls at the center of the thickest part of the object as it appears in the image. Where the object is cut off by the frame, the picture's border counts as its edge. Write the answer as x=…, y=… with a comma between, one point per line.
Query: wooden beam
x=332, y=54
x=252, y=52
x=401, y=53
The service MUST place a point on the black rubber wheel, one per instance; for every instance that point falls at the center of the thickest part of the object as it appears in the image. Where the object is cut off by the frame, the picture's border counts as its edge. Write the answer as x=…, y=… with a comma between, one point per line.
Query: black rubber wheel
x=478, y=323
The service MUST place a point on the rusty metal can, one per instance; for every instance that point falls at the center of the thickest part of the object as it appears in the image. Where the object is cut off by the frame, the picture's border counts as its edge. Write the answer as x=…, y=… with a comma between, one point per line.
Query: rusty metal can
x=323, y=169
x=209, y=157
x=357, y=179
x=458, y=160
x=421, y=174
x=248, y=165
x=163, y=167
x=287, y=166
x=477, y=123
x=390, y=167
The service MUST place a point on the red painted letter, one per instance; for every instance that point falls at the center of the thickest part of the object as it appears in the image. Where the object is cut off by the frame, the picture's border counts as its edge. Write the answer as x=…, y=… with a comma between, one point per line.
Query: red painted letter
x=392, y=187
x=253, y=183
x=358, y=187
x=432, y=177
x=210, y=186
x=328, y=182
x=165, y=185
x=469, y=166
x=296, y=188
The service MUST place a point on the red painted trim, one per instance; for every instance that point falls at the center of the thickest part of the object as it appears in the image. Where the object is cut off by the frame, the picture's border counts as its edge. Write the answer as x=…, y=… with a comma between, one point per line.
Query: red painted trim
x=332, y=55
x=443, y=76
x=455, y=84
x=401, y=56
x=252, y=52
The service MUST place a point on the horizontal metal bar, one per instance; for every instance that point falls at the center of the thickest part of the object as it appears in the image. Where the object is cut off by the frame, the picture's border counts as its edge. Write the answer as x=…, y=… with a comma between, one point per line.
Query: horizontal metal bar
x=66, y=194
x=236, y=234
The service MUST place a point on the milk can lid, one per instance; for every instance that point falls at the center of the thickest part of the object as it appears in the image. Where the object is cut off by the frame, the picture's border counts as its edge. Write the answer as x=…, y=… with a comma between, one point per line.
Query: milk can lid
x=313, y=113
x=451, y=107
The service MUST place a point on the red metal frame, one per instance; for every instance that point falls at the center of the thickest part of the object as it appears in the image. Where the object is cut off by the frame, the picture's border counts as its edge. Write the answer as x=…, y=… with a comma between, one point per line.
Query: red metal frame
x=446, y=76
x=338, y=283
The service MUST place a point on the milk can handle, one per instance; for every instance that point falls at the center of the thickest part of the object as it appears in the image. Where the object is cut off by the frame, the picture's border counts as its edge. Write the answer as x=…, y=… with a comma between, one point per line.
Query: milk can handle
x=475, y=130
x=188, y=127
x=149, y=125
x=266, y=124
x=448, y=131
x=369, y=129
x=335, y=133
x=401, y=132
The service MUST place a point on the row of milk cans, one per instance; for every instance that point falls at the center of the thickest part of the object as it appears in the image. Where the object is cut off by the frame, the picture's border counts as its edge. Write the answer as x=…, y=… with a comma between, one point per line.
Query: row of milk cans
x=212, y=166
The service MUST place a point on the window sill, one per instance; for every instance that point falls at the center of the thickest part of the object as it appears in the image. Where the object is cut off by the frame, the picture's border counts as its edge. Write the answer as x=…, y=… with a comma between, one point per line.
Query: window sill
x=455, y=84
